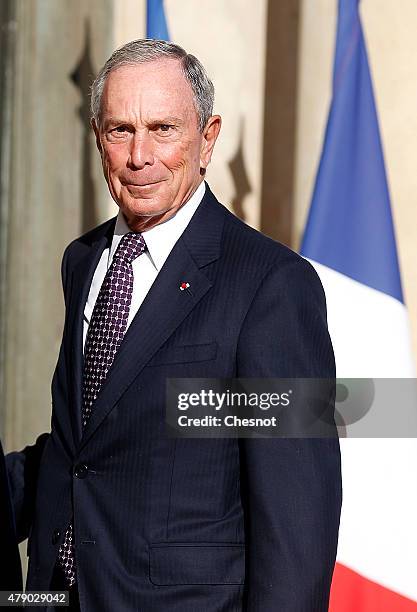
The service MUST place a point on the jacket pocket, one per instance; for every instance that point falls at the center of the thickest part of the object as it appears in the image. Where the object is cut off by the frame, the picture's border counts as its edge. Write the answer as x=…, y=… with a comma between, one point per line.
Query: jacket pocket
x=175, y=564
x=185, y=354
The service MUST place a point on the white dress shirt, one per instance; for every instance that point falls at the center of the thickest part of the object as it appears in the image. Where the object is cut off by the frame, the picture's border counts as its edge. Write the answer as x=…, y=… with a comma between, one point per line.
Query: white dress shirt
x=160, y=241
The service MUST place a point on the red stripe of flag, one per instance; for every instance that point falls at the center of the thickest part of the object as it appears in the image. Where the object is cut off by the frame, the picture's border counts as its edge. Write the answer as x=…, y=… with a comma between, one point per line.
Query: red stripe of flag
x=351, y=592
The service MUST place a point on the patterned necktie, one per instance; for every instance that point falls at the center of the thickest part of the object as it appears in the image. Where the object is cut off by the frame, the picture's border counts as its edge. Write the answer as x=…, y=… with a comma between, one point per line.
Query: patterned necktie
x=107, y=327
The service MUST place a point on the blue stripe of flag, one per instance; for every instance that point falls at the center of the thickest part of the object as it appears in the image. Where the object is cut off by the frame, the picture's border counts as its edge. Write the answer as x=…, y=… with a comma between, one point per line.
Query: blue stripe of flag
x=156, y=24
x=350, y=227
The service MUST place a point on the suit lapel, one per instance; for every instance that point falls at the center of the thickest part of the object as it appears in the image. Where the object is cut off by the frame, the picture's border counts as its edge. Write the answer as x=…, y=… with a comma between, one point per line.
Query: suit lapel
x=82, y=276
x=165, y=306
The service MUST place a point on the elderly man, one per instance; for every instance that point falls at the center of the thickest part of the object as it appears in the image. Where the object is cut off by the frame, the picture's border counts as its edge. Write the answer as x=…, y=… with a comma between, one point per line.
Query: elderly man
x=127, y=517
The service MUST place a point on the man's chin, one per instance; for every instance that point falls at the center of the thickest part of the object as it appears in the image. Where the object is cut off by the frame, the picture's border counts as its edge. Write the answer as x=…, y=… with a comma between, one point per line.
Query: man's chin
x=142, y=216
x=144, y=207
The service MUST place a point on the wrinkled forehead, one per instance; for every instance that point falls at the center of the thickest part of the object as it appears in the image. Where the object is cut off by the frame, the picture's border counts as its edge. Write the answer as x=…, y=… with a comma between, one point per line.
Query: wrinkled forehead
x=156, y=87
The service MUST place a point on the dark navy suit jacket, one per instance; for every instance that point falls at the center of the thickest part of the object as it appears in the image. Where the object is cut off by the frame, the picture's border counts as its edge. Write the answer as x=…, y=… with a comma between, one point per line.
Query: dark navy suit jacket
x=188, y=525
x=10, y=569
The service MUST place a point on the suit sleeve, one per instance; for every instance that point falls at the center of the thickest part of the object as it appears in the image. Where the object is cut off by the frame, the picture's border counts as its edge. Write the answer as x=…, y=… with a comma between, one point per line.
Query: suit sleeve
x=11, y=572
x=291, y=488
x=22, y=468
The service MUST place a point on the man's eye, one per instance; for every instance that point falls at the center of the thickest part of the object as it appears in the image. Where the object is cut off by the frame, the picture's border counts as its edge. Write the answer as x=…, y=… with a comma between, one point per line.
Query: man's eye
x=165, y=127
x=121, y=129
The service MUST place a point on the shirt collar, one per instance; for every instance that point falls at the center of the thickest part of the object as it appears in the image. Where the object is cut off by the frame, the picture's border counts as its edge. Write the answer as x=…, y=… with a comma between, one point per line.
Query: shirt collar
x=161, y=239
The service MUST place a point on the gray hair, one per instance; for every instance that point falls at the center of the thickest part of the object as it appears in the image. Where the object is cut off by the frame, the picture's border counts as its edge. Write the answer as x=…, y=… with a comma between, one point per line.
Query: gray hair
x=147, y=50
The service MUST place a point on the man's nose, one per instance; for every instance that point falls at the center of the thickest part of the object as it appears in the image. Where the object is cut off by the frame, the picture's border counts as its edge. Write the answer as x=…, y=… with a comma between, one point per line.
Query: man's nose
x=141, y=151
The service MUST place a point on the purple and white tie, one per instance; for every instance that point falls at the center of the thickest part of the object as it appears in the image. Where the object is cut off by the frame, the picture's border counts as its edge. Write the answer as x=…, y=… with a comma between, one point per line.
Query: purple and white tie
x=107, y=328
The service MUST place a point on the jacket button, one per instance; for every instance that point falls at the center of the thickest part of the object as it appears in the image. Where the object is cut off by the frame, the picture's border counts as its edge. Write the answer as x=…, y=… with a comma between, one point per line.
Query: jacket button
x=55, y=536
x=80, y=470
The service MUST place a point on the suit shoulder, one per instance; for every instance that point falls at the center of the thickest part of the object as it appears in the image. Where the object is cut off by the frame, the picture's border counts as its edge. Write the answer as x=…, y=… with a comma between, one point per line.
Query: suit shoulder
x=79, y=246
x=255, y=250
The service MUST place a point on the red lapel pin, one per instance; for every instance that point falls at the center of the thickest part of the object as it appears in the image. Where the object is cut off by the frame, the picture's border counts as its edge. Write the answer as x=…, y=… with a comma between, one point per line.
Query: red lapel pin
x=184, y=286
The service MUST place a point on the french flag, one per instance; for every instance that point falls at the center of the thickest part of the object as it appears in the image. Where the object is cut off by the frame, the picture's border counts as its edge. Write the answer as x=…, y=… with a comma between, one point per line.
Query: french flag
x=349, y=238
x=156, y=23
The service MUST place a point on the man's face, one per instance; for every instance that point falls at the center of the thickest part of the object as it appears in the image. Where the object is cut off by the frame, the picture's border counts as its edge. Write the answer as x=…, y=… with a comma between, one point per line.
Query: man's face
x=151, y=147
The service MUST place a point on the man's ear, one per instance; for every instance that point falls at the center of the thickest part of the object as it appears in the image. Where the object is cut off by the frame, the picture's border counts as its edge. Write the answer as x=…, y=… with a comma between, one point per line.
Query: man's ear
x=97, y=134
x=210, y=133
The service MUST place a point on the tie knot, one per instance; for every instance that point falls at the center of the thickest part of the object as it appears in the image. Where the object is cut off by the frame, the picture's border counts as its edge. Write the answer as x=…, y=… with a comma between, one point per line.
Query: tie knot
x=130, y=247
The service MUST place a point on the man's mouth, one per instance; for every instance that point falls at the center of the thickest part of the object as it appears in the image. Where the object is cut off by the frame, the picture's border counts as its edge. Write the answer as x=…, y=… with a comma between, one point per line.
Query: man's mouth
x=141, y=184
